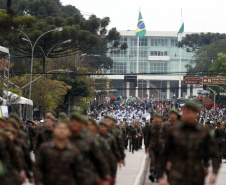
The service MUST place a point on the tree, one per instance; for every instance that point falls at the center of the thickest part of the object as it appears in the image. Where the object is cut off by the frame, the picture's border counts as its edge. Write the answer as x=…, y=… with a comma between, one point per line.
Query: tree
x=204, y=57
x=218, y=66
x=194, y=42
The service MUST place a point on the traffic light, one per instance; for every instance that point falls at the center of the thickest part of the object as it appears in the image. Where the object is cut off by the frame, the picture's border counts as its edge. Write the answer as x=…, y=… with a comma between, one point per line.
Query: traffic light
x=204, y=86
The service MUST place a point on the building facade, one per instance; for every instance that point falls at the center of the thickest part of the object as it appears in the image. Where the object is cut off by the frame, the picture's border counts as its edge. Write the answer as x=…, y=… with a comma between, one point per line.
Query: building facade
x=159, y=56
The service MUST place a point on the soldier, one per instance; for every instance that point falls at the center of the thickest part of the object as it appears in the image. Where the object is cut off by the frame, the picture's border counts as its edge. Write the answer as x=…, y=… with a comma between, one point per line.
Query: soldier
x=219, y=135
x=132, y=135
x=94, y=162
x=22, y=140
x=105, y=147
x=154, y=145
x=114, y=155
x=173, y=115
x=118, y=136
x=46, y=134
x=189, y=146
x=144, y=131
x=58, y=161
x=126, y=126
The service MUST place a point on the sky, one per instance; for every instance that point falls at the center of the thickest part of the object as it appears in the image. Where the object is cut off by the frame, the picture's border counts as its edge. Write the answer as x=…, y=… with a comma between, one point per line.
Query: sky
x=158, y=15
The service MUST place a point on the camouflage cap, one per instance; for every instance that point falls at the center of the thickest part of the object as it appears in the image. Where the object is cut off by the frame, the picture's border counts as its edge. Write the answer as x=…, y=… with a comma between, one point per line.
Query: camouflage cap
x=173, y=111
x=106, y=116
x=14, y=123
x=62, y=115
x=158, y=115
x=64, y=121
x=50, y=117
x=15, y=116
x=3, y=119
x=191, y=105
x=10, y=129
x=53, y=112
x=103, y=123
x=79, y=117
x=93, y=121
x=114, y=119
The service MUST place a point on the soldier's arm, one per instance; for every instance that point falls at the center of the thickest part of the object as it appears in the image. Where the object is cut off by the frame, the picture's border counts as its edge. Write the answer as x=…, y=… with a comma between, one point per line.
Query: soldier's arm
x=98, y=159
x=166, y=153
x=14, y=155
x=120, y=145
x=39, y=167
x=211, y=151
x=147, y=139
x=115, y=149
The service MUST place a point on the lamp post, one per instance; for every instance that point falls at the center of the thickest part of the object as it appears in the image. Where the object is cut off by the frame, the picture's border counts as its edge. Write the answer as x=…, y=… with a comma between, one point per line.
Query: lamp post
x=85, y=56
x=32, y=58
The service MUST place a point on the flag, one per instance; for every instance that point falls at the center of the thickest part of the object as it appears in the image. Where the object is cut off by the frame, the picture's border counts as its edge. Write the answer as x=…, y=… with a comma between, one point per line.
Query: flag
x=181, y=30
x=141, y=29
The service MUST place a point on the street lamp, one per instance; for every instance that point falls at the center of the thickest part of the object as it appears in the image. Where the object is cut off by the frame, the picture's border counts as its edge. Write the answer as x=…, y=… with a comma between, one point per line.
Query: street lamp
x=85, y=56
x=32, y=54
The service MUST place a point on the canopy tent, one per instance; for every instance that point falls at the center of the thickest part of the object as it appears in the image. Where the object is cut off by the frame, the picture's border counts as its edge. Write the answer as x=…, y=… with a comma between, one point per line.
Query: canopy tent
x=16, y=99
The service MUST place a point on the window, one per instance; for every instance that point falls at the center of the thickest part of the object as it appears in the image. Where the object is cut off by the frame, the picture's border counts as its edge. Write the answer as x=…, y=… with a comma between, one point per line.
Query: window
x=133, y=53
x=143, y=54
x=118, y=68
x=159, y=42
x=174, y=42
x=159, y=53
x=158, y=67
x=133, y=41
x=143, y=42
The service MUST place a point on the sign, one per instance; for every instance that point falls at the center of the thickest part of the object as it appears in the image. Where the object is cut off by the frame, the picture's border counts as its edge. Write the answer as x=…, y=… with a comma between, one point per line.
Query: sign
x=191, y=80
x=4, y=111
x=214, y=80
x=160, y=106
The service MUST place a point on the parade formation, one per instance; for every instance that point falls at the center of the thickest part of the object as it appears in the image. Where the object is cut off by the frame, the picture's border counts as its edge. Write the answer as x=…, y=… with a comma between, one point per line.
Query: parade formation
x=88, y=150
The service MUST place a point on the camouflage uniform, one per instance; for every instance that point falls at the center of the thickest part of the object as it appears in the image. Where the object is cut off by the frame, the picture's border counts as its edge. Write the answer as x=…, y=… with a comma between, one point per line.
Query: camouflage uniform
x=155, y=144
x=43, y=136
x=116, y=132
x=188, y=148
x=11, y=161
x=94, y=162
x=56, y=166
x=219, y=135
x=114, y=156
x=132, y=137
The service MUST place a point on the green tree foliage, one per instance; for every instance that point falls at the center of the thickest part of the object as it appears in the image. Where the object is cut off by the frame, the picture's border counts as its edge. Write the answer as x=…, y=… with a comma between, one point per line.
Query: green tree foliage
x=194, y=42
x=204, y=57
x=218, y=67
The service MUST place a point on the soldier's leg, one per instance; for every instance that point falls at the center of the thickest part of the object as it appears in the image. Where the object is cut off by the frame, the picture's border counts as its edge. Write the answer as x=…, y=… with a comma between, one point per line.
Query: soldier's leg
x=141, y=139
x=126, y=143
x=130, y=144
x=133, y=144
x=152, y=165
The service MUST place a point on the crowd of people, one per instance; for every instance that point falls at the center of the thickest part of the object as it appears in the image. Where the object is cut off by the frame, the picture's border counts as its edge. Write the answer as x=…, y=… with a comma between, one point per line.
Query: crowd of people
x=88, y=149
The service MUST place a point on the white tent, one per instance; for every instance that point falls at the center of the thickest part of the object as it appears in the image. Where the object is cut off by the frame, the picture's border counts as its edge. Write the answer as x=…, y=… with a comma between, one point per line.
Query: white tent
x=16, y=99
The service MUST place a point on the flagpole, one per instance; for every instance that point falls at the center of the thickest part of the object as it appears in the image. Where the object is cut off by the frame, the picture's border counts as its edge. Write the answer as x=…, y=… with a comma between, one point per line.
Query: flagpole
x=137, y=71
x=179, y=95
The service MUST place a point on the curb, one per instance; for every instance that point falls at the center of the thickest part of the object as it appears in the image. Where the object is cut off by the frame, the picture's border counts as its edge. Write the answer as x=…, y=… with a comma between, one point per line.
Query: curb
x=140, y=179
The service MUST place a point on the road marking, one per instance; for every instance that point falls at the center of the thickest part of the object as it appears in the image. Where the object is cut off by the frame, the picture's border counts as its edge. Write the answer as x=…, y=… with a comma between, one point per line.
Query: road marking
x=137, y=181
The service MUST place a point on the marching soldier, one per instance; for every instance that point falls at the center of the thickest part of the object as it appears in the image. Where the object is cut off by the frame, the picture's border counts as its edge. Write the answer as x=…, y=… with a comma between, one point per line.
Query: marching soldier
x=132, y=135
x=154, y=145
x=189, y=146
